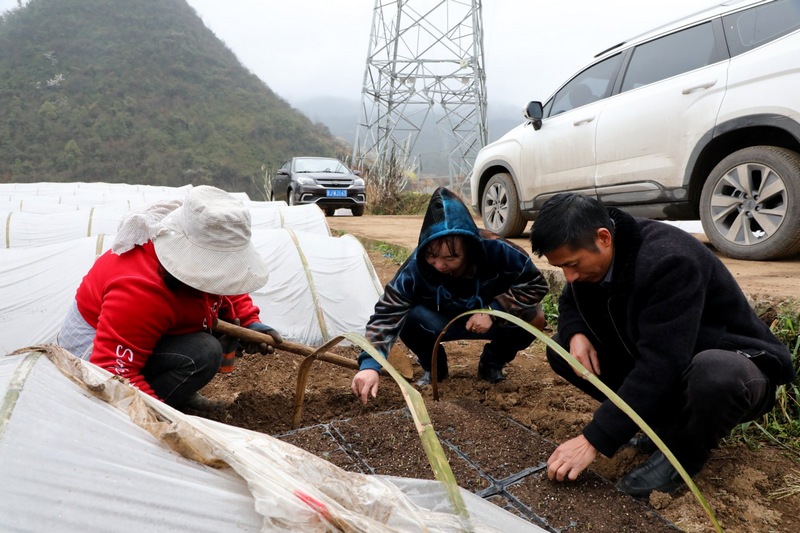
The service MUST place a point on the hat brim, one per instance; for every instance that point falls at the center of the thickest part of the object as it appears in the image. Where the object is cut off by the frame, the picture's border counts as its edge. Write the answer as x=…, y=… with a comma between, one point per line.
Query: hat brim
x=225, y=273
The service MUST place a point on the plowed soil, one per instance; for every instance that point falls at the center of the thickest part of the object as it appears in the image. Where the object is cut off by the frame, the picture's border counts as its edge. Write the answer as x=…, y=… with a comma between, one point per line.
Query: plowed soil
x=497, y=437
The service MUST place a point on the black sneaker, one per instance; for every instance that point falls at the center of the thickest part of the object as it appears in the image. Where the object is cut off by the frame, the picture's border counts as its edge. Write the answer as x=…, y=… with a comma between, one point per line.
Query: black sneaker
x=492, y=375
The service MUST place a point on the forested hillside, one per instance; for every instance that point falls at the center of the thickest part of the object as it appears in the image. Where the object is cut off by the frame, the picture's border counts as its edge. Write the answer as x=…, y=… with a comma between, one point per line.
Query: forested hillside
x=139, y=92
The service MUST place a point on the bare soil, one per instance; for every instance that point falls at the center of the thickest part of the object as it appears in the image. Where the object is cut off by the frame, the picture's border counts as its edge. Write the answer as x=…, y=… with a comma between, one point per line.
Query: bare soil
x=498, y=437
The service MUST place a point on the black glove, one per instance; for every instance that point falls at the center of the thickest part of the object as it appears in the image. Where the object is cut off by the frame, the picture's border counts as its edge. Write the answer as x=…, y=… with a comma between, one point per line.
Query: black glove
x=263, y=347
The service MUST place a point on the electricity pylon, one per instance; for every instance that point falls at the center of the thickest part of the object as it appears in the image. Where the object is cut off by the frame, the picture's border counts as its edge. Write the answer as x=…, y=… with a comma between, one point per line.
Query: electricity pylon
x=425, y=63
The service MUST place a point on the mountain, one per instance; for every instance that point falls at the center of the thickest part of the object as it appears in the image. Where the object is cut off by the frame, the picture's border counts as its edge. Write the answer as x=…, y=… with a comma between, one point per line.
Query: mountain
x=341, y=116
x=140, y=92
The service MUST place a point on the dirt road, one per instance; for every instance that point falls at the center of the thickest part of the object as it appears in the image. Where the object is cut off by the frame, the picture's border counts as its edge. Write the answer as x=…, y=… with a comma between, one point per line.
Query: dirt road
x=772, y=280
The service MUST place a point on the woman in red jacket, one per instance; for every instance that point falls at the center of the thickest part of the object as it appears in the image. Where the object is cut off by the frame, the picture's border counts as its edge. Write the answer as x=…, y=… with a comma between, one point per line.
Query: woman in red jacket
x=145, y=309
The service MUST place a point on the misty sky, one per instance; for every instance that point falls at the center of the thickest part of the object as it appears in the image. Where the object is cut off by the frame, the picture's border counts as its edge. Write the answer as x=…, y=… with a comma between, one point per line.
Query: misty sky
x=308, y=48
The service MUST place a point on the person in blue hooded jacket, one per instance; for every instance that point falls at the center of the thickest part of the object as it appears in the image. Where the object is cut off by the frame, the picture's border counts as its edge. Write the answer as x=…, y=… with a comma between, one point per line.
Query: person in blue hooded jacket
x=455, y=268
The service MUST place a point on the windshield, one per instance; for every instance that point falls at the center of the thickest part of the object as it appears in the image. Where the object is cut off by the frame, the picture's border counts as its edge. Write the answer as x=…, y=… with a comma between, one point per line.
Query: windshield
x=320, y=165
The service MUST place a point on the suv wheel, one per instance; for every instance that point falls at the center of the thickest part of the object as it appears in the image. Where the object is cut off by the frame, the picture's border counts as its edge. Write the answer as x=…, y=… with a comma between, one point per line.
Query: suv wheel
x=750, y=204
x=329, y=211
x=290, y=195
x=357, y=210
x=500, y=207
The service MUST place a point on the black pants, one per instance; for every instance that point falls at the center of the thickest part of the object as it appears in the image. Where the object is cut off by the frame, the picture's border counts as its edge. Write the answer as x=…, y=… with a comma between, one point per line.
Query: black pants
x=423, y=325
x=182, y=365
x=719, y=390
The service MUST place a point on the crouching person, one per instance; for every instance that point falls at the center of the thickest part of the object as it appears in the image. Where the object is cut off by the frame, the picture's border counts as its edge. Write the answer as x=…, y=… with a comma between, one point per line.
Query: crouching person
x=455, y=268
x=145, y=309
x=657, y=317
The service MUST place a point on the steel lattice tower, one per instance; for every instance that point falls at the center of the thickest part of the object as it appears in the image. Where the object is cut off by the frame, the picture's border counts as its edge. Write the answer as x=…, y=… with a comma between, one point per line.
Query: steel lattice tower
x=425, y=62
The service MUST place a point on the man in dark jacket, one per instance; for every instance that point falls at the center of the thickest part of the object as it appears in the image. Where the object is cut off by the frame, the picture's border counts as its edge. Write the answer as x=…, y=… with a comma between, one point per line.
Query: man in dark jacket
x=455, y=268
x=658, y=318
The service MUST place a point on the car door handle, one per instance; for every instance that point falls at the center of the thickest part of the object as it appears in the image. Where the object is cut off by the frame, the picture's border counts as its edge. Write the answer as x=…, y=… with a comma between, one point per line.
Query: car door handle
x=706, y=85
x=582, y=121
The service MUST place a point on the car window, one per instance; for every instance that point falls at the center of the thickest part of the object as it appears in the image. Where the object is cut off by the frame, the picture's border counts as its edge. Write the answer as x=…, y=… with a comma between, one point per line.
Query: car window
x=671, y=55
x=759, y=25
x=320, y=165
x=594, y=83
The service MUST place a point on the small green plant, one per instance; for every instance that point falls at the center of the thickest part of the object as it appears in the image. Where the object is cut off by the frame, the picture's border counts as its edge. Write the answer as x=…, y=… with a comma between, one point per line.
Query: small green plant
x=550, y=308
x=782, y=425
x=396, y=253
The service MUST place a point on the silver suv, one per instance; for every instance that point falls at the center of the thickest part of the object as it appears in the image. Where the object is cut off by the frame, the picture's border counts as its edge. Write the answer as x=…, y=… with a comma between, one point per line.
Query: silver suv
x=697, y=119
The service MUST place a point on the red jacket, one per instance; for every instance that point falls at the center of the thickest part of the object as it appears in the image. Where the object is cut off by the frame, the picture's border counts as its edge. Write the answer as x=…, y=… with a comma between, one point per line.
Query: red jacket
x=125, y=299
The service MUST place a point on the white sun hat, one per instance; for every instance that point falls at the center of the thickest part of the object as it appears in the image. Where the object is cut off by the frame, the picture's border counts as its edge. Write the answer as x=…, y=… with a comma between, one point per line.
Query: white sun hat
x=205, y=243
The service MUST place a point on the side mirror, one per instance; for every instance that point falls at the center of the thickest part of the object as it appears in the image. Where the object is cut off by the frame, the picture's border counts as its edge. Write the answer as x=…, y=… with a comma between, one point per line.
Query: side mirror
x=282, y=172
x=356, y=172
x=534, y=113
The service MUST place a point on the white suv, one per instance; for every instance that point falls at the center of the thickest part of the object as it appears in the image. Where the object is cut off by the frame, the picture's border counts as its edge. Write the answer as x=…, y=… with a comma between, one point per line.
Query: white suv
x=697, y=119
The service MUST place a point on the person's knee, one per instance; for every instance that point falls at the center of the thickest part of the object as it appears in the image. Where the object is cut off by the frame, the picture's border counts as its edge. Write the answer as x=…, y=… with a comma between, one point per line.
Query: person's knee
x=422, y=321
x=719, y=379
x=204, y=350
x=212, y=355
x=715, y=372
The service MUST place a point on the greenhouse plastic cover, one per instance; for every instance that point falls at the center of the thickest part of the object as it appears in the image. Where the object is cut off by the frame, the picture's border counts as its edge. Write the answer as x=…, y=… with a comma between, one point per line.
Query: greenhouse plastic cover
x=81, y=450
x=319, y=285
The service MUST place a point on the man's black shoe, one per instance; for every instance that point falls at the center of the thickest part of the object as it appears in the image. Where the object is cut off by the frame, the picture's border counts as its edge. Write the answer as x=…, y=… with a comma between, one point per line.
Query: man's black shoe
x=492, y=375
x=654, y=474
x=427, y=378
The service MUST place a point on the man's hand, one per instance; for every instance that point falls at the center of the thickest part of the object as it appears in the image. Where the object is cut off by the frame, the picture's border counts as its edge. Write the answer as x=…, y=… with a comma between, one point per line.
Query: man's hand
x=570, y=459
x=479, y=323
x=260, y=347
x=365, y=383
x=580, y=347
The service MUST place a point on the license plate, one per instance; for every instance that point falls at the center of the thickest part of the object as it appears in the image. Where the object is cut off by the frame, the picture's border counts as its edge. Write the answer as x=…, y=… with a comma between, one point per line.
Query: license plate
x=338, y=193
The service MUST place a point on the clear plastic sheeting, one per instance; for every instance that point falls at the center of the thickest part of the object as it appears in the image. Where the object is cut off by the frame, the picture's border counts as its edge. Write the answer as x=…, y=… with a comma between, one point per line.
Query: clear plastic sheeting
x=41, y=220
x=21, y=229
x=24, y=229
x=37, y=287
x=90, y=193
x=319, y=286
x=308, y=218
x=81, y=450
x=70, y=462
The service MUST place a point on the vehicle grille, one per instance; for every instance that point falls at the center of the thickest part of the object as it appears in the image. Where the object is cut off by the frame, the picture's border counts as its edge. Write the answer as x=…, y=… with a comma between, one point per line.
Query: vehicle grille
x=335, y=183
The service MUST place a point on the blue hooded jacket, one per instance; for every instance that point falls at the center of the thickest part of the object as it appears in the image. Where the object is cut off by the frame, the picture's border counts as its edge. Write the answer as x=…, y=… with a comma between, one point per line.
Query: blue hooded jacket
x=503, y=277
